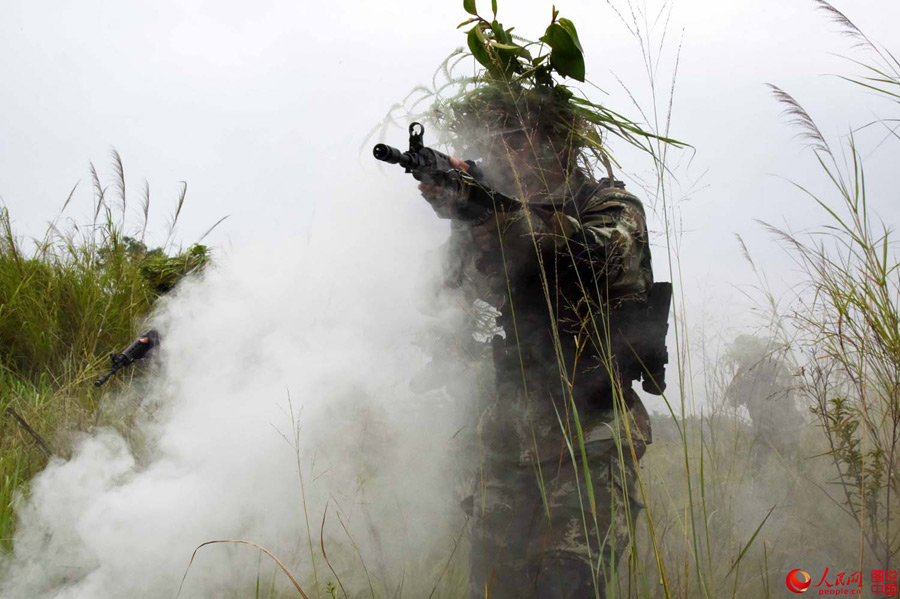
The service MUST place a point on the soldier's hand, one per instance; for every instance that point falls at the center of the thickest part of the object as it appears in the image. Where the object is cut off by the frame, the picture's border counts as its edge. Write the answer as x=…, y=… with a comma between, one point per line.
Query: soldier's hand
x=448, y=195
x=557, y=228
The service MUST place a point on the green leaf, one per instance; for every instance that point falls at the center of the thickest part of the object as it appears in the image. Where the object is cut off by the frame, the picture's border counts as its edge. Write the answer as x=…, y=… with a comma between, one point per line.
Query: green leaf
x=501, y=35
x=569, y=26
x=563, y=92
x=469, y=7
x=516, y=49
x=542, y=76
x=504, y=51
x=509, y=55
x=566, y=55
x=464, y=23
x=476, y=42
x=494, y=7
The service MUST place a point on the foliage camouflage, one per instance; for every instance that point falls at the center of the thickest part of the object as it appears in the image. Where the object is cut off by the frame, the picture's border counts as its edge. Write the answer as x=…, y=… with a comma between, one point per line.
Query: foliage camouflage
x=525, y=78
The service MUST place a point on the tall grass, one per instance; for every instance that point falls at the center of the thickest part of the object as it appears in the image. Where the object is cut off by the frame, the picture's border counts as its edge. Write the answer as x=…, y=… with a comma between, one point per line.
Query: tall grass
x=81, y=292
x=848, y=321
x=787, y=495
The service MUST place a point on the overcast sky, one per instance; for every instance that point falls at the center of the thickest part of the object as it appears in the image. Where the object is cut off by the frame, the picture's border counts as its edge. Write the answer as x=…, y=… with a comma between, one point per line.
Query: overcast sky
x=262, y=108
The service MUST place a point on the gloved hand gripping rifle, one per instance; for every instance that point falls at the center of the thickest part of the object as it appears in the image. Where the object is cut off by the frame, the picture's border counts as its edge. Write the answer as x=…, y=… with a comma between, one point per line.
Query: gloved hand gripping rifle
x=434, y=168
x=136, y=351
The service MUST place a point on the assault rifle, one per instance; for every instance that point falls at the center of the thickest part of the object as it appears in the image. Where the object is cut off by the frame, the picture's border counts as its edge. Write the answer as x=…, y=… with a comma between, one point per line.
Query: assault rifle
x=434, y=168
x=136, y=351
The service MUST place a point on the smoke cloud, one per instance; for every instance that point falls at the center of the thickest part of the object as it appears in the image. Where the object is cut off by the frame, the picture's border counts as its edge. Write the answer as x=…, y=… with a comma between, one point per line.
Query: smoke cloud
x=310, y=343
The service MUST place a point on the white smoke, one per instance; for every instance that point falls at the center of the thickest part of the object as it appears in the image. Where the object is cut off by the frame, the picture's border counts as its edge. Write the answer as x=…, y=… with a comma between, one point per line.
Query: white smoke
x=317, y=331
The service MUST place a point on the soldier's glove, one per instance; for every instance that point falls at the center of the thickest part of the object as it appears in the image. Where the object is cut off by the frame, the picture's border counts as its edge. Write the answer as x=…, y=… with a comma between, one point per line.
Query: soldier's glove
x=449, y=196
x=593, y=255
x=581, y=247
x=555, y=230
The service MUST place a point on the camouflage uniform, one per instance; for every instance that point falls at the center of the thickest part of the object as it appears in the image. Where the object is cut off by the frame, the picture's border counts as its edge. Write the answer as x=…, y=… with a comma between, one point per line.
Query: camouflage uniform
x=535, y=533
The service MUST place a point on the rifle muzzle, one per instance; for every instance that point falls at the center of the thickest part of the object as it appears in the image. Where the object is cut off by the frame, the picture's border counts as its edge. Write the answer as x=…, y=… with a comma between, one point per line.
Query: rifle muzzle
x=392, y=155
x=387, y=153
x=99, y=382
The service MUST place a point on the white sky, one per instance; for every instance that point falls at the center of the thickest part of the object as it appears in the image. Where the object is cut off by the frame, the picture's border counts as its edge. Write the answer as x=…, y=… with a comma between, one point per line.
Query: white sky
x=262, y=108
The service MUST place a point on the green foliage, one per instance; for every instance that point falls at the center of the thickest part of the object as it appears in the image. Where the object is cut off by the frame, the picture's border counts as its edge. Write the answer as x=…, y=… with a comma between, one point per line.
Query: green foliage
x=163, y=272
x=861, y=472
x=508, y=61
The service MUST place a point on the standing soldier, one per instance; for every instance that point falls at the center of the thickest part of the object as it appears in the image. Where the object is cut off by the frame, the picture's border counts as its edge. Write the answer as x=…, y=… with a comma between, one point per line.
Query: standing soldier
x=569, y=271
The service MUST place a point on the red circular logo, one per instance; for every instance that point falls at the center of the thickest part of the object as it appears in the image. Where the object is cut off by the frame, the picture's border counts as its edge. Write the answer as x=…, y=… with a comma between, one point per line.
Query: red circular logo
x=798, y=581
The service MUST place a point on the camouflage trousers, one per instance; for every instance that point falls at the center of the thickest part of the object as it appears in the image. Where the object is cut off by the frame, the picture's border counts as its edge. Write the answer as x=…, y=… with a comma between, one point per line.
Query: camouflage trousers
x=541, y=530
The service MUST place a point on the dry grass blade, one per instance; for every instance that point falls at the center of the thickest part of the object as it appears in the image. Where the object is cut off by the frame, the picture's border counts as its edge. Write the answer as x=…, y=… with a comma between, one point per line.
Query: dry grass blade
x=362, y=562
x=52, y=228
x=750, y=542
x=242, y=542
x=449, y=559
x=69, y=198
x=174, y=220
x=119, y=169
x=212, y=228
x=325, y=555
x=99, y=190
x=27, y=428
x=849, y=27
x=808, y=129
x=145, y=208
x=745, y=252
x=180, y=201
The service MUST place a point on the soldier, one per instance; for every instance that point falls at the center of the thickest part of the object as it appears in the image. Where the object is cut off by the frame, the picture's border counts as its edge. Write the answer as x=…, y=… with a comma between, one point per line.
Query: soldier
x=555, y=499
x=763, y=384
